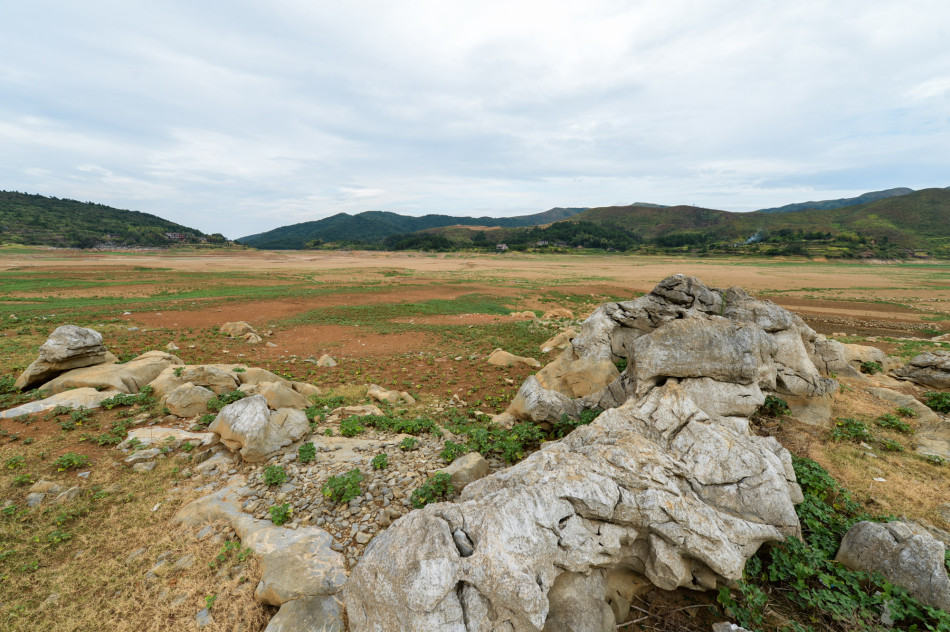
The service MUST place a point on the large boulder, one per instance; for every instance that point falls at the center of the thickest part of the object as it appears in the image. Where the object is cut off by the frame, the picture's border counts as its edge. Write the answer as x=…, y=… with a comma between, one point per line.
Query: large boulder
x=931, y=369
x=277, y=395
x=68, y=347
x=237, y=329
x=728, y=349
x=653, y=492
x=220, y=378
x=248, y=426
x=905, y=553
x=79, y=398
x=128, y=377
x=188, y=400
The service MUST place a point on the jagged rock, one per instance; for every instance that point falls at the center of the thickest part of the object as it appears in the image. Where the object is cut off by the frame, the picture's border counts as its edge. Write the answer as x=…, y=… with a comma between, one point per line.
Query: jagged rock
x=467, y=469
x=654, y=489
x=558, y=312
x=736, y=346
x=78, y=398
x=559, y=341
x=931, y=369
x=237, y=329
x=68, y=347
x=252, y=338
x=220, y=378
x=904, y=553
x=503, y=358
x=301, y=572
x=129, y=377
x=188, y=400
x=326, y=361
x=248, y=426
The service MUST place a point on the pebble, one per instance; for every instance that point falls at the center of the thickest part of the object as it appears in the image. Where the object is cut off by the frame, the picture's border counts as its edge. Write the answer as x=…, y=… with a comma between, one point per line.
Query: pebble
x=204, y=618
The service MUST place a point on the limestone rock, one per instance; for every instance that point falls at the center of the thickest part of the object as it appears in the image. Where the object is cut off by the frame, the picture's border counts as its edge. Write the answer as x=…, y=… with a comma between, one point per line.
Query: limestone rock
x=653, y=489
x=467, y=469
x=577, y=376
x=308, y=614
x=345, y=412
x=256, y=375
x=559, y=341
x=188, y=400
x=503, y=358
x=219, y=378
x=326, y=361
x=252, y=338
x=248, y=426
x=154, y=435
x=930, y=369
x=281, y=396
x=904, y=553
x=305, y=389
x=380, y=394
x=129, y=377
x=78, y=398
x=237, y=329
x=558, y=312
x=525, y=314
x=68, y=347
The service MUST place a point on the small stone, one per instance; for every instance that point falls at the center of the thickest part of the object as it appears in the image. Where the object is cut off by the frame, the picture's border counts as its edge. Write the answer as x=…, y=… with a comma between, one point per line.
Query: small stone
x=363, y=538
x=204, y=618
x=144, y=467
x=134, y=555
x=34, y=499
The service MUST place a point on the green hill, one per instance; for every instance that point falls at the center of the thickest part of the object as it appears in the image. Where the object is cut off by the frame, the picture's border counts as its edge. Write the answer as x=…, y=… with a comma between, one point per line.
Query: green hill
x=839, y=203
x=374, y=226
x=48, y=221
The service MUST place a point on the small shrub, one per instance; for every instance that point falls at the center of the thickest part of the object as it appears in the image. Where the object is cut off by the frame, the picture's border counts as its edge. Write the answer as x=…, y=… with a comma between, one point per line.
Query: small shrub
x=621, y=364
x=178, y=371
x=274, y=475
x=279, y=514
x=205, y=420
x=344, y=488
x=568, y=424
x=939, y=402
x=380, y=462
x=233, y=552
x=934, y=459
x=890, y=445
x=328, y=432
x=22, y=480
x=773, y=407
x=351, y=427
x=870, y=367
x=893, y=422
x=907, y=413
x=307, y=452
x=15, y=462
x=850, y=430
x=188, y=446
x=452, y=451
x=407, y=444
x=71, y=461
x=143, y=397
x=239, y=369
x=220, y=401
x=437, y=486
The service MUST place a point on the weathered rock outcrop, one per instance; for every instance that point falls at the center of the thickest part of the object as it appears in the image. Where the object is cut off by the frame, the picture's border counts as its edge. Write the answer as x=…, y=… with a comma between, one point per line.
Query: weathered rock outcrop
x=220, y=378
x=727, y=348
x=79, y=398
x=904, y=553
x=129, y=377
x=931, y=369
x=300, y=572
x=249, y=426
x=653, y=490
x=68, y=347
x=188, y=400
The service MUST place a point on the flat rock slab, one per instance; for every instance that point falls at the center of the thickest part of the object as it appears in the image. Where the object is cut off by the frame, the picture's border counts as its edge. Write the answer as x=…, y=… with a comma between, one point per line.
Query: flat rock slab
x=78, y=398
x=151, y=435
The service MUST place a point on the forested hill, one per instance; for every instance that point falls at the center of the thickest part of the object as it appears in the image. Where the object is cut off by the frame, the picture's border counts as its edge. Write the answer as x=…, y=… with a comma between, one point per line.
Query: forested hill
x=49, y=221
x=373, y=226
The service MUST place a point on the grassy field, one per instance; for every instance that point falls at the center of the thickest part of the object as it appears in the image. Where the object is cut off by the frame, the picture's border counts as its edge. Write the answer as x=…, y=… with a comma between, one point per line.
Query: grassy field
x=414, y=322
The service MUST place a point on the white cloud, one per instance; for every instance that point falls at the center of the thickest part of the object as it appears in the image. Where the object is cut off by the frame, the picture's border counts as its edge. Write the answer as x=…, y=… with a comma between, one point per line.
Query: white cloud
x=238, y=117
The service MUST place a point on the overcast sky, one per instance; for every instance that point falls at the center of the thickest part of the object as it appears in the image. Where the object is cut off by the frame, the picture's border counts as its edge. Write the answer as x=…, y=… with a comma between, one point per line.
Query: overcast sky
x=238, y=117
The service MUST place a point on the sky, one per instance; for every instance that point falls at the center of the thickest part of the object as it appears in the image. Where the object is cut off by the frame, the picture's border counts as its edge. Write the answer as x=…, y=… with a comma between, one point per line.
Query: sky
x=239, y=117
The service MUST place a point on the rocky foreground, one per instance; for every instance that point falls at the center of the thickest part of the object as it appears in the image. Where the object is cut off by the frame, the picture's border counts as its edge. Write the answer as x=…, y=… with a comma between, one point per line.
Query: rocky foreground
x=667, y=488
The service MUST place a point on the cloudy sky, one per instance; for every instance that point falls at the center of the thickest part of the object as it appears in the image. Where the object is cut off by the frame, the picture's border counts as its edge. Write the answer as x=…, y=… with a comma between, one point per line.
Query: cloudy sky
x=238, y=117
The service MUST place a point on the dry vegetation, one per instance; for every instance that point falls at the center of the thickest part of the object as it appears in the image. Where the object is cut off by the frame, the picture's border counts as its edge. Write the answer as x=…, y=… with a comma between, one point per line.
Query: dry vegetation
x=410, y=321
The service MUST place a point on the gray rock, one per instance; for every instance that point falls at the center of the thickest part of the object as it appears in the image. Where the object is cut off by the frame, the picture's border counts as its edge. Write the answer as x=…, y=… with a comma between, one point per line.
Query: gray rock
x=653, y=488
x=308, y=614
x=204, y=618
x=467, y=469
x=931, y=369
x=34, y=499
x=68, y=347
x=75, y=399
x=188, y=400
x=147, y=466
x=904, y=553
x=143, y=455
x=248, y=426
x=129, y=377
x=725, y=626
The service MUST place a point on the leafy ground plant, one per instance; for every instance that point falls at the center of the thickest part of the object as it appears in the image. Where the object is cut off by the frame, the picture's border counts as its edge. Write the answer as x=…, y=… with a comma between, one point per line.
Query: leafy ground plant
x=893, y=422
x=870, y=367
x=279, y=514
x=847, y=429
x=220, y=401
x=380, y=462
x=274, y=475
x=436, y=486
x=71, y=461
x=344, y=488
x=307, y=452
x=939, y=402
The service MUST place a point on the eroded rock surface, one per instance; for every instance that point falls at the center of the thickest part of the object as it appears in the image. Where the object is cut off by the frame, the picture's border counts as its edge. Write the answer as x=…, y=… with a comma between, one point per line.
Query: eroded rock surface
x=129, y=377
x=931, y=369
x=248, y=426
x=68, y=347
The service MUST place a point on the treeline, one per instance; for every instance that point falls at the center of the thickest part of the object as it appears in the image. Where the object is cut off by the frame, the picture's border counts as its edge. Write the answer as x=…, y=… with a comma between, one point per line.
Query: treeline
x=38, y=220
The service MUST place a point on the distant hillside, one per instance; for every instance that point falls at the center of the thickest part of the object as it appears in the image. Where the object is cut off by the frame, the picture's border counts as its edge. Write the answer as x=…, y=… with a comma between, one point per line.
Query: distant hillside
x=839, y=203
x=374, y=226
x=48, y=221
